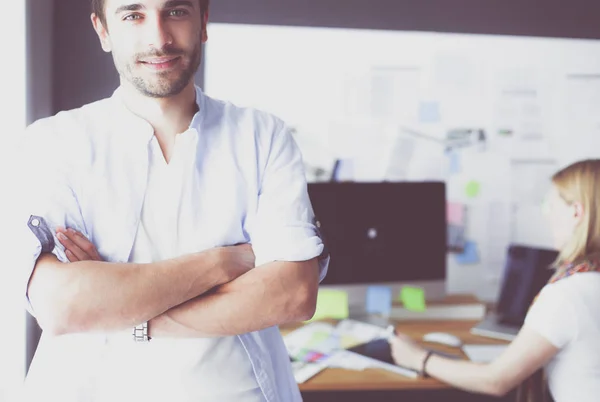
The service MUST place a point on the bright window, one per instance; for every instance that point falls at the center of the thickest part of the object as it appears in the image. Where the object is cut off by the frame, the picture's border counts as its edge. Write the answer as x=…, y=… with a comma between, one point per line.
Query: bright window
x=13, y=116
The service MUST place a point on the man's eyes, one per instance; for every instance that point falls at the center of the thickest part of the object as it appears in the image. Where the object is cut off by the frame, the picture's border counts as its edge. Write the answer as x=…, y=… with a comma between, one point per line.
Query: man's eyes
x=171, y=13
x=178, y=13
x=132, y=17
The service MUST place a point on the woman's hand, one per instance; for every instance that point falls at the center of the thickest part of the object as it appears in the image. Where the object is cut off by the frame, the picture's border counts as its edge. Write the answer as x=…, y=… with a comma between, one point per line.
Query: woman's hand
x=407, y=353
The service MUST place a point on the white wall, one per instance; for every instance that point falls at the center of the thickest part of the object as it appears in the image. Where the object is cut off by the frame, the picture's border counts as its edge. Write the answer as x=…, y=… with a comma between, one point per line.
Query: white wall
x=349, y=93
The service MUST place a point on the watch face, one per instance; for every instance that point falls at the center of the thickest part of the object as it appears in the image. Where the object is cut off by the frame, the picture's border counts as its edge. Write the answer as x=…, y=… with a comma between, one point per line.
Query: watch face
x=140, y=333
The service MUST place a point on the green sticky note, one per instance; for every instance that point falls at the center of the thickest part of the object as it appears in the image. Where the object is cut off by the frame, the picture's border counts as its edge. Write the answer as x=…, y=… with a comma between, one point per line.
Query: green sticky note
x=413, y=298
x=473, y=188
x=331, y=304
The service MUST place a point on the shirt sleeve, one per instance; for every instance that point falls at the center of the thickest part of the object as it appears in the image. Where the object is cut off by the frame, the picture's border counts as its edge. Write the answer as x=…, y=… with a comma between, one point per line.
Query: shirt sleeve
x=285, y=227
x=552, y=316
x=40, y=199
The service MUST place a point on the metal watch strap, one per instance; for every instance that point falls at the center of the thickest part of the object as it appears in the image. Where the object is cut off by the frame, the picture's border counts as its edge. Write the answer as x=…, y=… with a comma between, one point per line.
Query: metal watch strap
x=140, y=333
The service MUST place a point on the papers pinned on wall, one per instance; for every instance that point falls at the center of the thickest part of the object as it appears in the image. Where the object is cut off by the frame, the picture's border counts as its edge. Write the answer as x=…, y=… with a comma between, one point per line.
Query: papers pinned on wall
x=531, y=181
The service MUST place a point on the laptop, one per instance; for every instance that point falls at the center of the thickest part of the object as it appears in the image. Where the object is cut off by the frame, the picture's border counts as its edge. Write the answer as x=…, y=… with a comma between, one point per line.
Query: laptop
x=526, y=271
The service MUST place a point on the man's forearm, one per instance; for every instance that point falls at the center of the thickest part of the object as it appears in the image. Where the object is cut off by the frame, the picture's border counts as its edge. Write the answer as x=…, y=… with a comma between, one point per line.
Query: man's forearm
x=269, y=295
x=92, y=296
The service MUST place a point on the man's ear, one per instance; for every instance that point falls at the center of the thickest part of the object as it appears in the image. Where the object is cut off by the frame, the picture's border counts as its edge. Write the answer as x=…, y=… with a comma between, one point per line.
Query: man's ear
x=204, y=25
x=102, y=33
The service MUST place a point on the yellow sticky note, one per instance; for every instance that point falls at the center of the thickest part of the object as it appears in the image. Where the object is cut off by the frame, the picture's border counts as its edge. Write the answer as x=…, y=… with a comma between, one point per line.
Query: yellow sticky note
x=413, y=298
x=331, y=304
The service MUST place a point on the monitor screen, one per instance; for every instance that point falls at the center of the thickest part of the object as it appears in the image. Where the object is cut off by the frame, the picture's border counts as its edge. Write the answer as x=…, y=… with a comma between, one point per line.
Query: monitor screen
x=382, y=232
x=526, y=272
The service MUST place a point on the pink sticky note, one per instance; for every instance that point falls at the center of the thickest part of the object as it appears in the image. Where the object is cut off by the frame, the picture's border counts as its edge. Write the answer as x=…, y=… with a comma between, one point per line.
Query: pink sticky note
x=456, y=213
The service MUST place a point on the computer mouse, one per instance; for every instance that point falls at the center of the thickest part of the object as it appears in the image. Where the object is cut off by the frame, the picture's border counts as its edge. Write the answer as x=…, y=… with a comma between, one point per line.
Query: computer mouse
x=443, y=338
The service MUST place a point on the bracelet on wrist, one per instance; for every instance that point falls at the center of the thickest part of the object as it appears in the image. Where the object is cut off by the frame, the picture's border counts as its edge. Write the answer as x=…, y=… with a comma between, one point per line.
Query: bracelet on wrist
x=424, y=365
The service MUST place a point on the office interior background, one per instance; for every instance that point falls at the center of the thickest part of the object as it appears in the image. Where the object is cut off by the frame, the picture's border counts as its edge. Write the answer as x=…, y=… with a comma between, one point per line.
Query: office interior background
x=485, y=96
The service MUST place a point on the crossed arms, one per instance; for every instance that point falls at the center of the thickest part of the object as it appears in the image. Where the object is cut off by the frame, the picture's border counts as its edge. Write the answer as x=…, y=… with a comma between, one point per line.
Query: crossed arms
x=213, y=293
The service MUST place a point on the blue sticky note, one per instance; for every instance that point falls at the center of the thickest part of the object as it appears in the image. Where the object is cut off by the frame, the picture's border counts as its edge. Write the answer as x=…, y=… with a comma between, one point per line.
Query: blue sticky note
x=454, y=165
x=379, y=300
x=470, y=255
x=429, y=112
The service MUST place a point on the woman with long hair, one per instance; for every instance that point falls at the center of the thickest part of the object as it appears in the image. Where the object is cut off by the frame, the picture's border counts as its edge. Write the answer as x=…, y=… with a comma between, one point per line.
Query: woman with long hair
x=561, y=333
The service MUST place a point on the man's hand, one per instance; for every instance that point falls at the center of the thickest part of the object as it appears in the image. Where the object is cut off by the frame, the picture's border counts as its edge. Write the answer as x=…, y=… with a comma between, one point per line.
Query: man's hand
x=234, y=261
x=77, y=246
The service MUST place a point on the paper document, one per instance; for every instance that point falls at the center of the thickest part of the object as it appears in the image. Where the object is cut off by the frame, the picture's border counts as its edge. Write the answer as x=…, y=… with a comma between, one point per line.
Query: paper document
x=305, y=371
x=395, y=92
x=312, y=337
x=500, y=235
x=348, y=361
x=400, y=158
x=353, y=332
x=353, y=361
x=317, y=346
x=531, y=181
x=317, y=341
x=483, y=353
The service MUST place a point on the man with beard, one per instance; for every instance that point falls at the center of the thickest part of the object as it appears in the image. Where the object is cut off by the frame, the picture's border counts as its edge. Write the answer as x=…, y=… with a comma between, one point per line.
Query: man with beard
x=163, y=235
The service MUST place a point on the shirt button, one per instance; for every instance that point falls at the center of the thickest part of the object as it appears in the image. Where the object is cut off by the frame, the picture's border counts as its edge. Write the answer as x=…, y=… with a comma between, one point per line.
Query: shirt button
x=35, y=223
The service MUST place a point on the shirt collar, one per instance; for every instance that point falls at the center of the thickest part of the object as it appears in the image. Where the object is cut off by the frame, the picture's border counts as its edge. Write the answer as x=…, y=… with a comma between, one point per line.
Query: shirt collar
x=141, y=125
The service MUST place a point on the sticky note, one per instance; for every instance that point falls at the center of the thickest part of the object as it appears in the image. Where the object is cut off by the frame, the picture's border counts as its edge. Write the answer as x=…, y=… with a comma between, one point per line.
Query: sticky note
x=379, y=300
x=331, y=304
x=473, y=188
x=505, y=132
x=454, y=162
x=455, y=213
x=413, y=298
x=429, y=112
x=470, y=255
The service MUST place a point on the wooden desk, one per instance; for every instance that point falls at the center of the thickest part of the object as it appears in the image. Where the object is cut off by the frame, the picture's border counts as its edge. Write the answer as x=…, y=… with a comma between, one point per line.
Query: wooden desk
x=374, y=385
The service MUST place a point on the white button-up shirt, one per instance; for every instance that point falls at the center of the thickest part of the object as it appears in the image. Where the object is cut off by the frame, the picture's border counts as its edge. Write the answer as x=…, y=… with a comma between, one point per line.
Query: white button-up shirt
x=88, y=169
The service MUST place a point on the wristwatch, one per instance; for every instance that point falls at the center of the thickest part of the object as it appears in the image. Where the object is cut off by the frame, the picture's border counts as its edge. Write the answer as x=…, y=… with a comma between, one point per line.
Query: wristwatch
x=140, y=333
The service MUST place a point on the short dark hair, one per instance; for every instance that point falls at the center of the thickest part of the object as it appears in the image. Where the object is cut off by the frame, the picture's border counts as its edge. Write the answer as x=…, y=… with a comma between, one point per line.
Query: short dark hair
x=99, y=10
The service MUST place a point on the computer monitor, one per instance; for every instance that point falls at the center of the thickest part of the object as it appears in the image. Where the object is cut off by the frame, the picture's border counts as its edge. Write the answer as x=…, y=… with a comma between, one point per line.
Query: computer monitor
x=389, y=234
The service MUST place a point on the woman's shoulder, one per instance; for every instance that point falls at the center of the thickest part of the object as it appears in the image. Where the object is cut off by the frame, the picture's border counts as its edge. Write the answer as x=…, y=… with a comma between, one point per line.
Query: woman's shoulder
x=582, y=282
x=579, y=292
